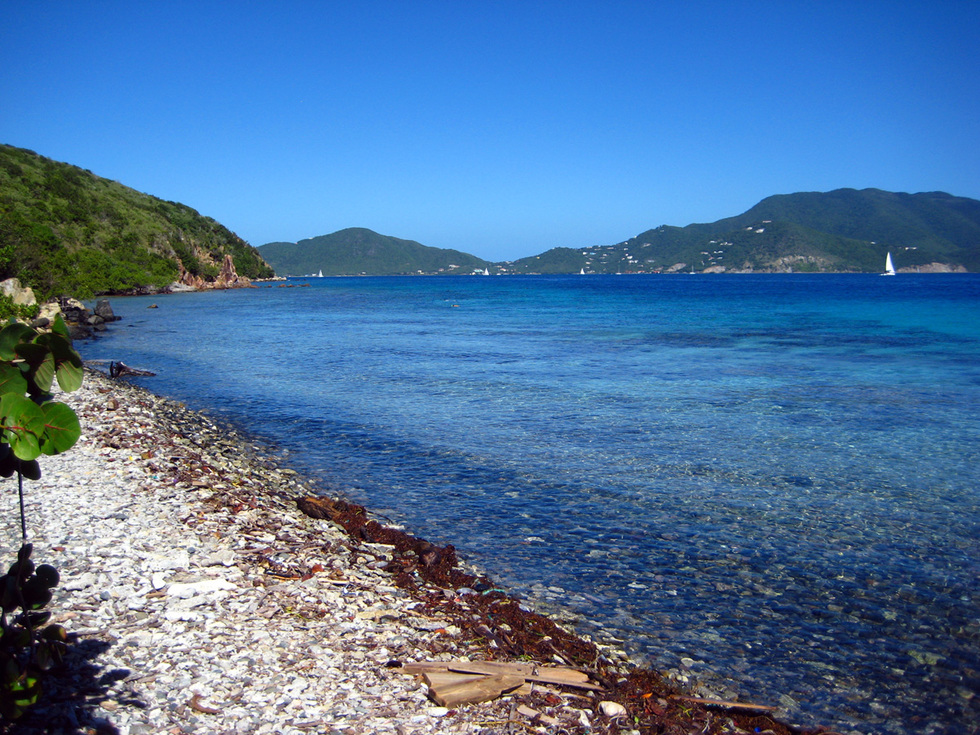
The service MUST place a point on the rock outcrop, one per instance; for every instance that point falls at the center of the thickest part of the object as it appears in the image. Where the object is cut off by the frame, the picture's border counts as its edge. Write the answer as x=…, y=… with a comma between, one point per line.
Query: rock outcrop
x=227, y=278
x=21, y=295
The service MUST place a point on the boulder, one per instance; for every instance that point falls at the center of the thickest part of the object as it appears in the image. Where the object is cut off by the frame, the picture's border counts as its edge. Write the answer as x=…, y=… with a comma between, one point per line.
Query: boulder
x=76, y=317
x=19, y=294
x=49, y=310
x=104, y=310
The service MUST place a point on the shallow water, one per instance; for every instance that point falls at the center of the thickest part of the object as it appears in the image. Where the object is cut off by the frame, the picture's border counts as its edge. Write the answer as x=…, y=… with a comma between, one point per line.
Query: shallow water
x=772, y=476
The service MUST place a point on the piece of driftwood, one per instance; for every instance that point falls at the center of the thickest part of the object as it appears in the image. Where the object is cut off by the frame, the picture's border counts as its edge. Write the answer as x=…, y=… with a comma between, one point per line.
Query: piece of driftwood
x=533, y=714
x=442, y=679
x=119, y=369
x=474, y=689
x=723, y=703
x=530, y=672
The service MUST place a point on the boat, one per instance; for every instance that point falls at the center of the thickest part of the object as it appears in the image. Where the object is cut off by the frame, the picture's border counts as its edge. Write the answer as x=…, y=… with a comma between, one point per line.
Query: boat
x=582, y=272
x=889, y=266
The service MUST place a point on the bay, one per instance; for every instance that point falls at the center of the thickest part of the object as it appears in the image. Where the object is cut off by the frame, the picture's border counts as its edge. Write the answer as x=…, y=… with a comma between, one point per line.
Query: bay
x=774, y=477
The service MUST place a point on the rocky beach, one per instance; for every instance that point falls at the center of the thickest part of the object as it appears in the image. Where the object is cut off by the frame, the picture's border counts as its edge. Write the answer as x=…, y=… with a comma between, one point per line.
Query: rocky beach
x=200, y=598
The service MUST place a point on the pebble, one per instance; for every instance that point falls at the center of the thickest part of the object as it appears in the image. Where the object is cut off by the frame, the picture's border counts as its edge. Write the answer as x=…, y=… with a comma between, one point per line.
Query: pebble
x=198, y=598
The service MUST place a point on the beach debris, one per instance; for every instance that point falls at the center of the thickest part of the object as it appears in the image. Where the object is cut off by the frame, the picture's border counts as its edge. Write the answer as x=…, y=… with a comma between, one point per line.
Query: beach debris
x=463, y=689
x=536, y=716
x=530, y=672
x=120, y=369
x=612, y=709
x=723, y=704
x=452, y=683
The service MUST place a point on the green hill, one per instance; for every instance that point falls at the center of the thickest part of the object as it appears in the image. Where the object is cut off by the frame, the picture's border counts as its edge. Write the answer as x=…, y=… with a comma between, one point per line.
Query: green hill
x=843, y=230
x=357, y=251
x=64, y=230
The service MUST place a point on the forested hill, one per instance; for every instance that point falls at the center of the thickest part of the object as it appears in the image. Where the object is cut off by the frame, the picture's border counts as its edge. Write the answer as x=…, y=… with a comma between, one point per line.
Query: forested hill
x=838, y=231
x=358, y=251
x=64, y=230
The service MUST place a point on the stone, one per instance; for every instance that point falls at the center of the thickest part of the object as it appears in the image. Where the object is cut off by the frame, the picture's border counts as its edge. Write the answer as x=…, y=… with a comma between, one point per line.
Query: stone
x=192, y=589
x=104, y=310
x=612, y=709
x=19, y=294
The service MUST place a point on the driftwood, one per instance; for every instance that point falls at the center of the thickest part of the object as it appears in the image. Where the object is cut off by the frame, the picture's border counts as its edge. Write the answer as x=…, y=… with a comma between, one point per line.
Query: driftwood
x=452, y=683
x=530, y=672
x=119, y=369
x=473, y=689
x=722, y=703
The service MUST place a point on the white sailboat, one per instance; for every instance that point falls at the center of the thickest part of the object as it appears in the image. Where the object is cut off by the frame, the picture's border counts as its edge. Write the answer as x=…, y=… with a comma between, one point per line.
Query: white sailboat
x=889, y=266
x=320, y=274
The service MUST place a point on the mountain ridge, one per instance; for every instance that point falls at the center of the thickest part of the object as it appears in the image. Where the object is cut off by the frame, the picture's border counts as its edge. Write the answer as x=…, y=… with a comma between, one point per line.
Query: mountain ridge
x=64, y=230
x=844, y=230
x=356, y=251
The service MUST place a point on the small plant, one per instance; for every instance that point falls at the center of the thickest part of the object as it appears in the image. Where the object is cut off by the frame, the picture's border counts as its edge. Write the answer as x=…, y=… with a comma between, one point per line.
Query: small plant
x=26, y=648
x=31, y=424
x=20, y=311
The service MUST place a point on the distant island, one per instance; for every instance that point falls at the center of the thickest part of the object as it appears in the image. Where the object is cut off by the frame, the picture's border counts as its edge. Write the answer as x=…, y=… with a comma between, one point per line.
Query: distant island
x=357, y=251
x=66, y=231
x=842, y=231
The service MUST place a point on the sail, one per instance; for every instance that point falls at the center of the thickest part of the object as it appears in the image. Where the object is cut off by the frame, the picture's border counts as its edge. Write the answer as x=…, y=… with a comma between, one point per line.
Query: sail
x=889, y=266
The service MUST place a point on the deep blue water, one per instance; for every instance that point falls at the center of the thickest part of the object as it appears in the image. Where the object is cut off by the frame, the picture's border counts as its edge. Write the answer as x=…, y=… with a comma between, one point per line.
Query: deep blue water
x=774, y=476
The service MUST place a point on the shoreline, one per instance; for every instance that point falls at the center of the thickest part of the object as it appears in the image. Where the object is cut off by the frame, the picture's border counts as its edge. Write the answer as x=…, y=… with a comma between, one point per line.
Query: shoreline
x=198, y=596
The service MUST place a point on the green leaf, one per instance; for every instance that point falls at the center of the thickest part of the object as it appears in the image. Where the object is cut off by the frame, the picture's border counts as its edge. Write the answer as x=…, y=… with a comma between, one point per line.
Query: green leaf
x=23, y=425
x=55, y=632
x=12, y=379
x=11, y=335
x=61, y=428
x=59, y=327
x=31, y=470
x=68, y=363
x=9, y=464
x=41, y=362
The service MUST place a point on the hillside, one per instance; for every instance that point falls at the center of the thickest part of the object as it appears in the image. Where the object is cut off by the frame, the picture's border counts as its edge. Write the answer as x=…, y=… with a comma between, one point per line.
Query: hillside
x=64, y=230
x=839, y=231
x=357, y=251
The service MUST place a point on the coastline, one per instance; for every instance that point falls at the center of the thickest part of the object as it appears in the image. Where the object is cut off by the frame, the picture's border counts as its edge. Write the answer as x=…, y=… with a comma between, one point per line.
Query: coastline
x=199, y=598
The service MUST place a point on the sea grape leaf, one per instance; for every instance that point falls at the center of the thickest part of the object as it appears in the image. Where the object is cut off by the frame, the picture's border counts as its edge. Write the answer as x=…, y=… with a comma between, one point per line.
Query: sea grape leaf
x=59, y=327
x=23, y=425
x=61, y=428
x=12, y=335
x=41, y=362
x=9, y=464
x=67, y=362
x=69, y=375
x=31, y=470
x=12, y=379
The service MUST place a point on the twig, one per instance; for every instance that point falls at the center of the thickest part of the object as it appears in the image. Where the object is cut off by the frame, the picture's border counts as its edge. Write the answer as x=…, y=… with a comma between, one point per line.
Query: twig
x=195, y=704
x=23, y=515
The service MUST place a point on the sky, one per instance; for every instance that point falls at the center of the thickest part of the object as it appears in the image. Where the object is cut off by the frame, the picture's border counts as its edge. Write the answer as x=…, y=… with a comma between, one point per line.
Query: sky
x=498, y=128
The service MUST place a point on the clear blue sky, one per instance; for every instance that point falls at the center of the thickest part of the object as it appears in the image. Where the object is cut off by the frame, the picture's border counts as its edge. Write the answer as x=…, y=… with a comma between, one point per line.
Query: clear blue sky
x=498, y=128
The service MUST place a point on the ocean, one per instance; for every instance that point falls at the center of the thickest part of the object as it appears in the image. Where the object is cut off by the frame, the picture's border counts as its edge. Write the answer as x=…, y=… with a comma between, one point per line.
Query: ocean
x=768, y=483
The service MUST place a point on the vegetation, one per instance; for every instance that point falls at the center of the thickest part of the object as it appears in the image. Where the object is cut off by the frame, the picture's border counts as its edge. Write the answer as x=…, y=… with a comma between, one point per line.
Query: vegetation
x=64, y=230
x=31, y=425
x=19, y=311
x=842, y=230
x=357, y=251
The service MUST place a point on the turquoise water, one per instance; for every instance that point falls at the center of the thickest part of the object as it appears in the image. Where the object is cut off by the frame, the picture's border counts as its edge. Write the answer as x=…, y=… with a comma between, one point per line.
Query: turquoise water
x=772, y=476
